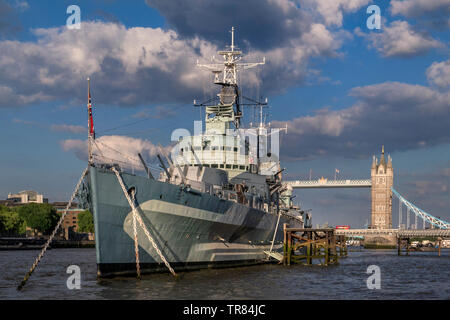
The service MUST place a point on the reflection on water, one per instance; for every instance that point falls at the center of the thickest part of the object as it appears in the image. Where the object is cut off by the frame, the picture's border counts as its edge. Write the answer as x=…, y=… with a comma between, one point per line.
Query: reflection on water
x=423, y=275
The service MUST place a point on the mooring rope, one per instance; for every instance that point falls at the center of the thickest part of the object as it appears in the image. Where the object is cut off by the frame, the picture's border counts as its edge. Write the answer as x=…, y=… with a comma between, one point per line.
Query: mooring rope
x=136, y=246
x=275, y=232
x=137, y=216
x=36, y=262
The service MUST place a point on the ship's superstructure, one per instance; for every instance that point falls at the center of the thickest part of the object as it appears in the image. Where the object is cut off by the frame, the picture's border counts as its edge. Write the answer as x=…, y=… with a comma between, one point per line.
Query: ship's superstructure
x=219, y=200
x=241, y=154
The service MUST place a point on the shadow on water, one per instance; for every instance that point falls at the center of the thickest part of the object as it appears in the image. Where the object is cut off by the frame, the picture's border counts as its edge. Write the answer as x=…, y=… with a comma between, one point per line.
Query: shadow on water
x=422, y=275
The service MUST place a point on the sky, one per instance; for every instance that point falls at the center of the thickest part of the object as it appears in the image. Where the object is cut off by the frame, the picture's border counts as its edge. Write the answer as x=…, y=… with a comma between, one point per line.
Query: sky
x=342, y=89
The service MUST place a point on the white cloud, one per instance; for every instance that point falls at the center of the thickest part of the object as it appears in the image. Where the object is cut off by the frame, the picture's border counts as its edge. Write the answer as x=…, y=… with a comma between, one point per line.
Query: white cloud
x=413, y=8
x=159, y=112
x=324, y=122
x=439, y=74
x=401, y=116
x=68, y=128
x=120, y=149
x=79, y=147
x=127, y=66
x=16, y=120
x=403, y=98
x=399, y=39
x=332, y=11
x=9, y=20
x=22, y=5
x=137, y=66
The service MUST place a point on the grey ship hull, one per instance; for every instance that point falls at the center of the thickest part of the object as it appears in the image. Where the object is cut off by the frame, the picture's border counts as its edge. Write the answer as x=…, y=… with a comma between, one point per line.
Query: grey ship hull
x=193, y=230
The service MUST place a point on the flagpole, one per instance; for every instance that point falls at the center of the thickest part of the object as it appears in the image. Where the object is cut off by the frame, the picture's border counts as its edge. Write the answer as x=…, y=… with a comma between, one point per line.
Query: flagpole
x=89, y=122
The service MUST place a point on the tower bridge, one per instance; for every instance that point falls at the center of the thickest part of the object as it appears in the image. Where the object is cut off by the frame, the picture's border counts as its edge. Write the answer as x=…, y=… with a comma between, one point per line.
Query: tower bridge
x=325, y=183
x=382, y=192
x=396, y=232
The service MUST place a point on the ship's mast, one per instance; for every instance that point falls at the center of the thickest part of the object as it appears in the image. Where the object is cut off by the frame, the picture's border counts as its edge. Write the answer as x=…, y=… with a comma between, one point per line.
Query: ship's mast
x=230, y=65
x=89, y=123
x=226, y=74
x=91, y=132
x=232, y=38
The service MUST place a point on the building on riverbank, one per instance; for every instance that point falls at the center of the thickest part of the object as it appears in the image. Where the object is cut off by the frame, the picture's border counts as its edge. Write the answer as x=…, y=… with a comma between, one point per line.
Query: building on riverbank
x=69, y=227
x=27, y=196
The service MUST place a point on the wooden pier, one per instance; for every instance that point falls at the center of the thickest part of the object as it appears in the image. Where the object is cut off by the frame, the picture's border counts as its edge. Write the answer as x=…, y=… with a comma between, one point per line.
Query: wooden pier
x=303, y=245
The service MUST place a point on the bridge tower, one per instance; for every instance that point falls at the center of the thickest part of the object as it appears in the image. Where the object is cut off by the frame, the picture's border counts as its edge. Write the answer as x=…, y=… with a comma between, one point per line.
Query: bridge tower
x=382, y=175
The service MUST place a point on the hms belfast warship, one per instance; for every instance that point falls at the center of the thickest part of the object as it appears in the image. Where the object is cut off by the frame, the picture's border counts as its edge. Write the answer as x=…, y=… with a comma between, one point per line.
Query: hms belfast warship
x=218, y=202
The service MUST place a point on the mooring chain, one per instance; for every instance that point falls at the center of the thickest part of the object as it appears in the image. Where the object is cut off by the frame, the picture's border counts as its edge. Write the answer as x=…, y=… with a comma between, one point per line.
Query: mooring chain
x=36, y=262
x=137, y=216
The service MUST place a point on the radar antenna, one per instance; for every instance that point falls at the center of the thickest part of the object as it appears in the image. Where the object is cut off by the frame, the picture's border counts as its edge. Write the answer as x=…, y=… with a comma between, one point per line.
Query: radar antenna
x=230, y=65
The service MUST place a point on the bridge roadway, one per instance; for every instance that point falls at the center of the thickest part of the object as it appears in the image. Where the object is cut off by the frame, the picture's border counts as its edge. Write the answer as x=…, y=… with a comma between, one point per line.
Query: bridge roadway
x=325, y=183
x=397, y=232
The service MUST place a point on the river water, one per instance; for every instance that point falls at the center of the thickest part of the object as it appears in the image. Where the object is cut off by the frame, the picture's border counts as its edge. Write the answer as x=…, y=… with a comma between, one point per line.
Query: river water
x=422, y=275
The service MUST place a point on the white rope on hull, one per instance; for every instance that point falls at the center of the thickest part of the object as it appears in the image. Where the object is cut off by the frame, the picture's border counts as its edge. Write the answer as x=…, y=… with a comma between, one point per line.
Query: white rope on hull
x=275, y=232
x=136, y=216
x=136, y=247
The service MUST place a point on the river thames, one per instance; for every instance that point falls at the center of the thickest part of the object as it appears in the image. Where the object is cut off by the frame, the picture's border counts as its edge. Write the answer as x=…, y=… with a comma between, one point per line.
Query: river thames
x=423, y=276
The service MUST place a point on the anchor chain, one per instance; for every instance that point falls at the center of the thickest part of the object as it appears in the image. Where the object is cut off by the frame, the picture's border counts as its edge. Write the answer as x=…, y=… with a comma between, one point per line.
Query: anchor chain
x=36, y=262
x=137, y=216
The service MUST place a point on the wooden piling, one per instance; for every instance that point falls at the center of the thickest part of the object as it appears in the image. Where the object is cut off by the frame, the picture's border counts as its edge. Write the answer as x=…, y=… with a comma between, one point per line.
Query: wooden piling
x=439, y=240
x=309, y=249
x=341, y=245
x=289, y=253
x=313, y=244
x=284, y=243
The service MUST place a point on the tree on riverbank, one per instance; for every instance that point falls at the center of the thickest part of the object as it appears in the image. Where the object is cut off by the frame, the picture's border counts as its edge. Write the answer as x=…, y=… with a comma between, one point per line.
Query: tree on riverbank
x=85, y=222
x=10, y=222
x=39, y=216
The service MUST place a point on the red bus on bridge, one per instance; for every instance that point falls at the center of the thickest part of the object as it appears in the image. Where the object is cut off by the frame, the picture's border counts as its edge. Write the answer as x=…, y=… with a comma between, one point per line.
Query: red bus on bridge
x=342, y=227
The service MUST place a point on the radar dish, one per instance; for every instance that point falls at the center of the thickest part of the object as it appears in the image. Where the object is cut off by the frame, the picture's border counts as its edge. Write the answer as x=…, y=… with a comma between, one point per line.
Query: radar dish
x=227, y=95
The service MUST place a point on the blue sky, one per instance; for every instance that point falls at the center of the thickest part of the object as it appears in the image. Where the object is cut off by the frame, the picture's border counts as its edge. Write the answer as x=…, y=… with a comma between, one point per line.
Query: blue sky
x=342, y=89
